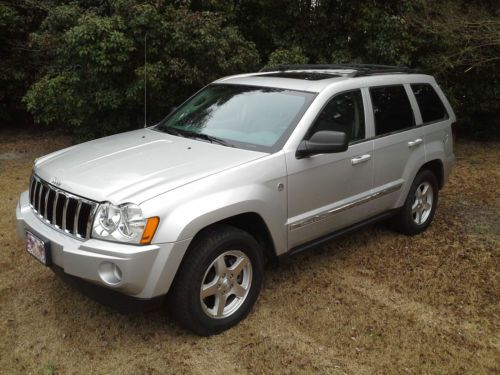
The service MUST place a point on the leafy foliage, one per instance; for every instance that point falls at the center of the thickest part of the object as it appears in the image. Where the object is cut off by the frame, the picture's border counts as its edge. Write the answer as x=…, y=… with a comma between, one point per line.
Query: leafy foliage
x=94, y=83
x=17, y=69
x=80, y=63
x=457, y=41
x=293, y=55
x=463, y=51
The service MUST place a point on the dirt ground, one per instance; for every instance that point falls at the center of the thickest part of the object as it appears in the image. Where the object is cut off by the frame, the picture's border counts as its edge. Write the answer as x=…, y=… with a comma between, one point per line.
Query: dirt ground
x=374, y=302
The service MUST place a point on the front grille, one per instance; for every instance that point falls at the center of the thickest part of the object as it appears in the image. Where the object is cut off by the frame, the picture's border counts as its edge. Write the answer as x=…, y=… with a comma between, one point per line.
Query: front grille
x=66, y=212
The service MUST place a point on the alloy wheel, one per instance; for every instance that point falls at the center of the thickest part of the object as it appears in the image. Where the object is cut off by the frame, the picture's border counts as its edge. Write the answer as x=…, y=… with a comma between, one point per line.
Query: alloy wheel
x=226, y=284
x=422, y=204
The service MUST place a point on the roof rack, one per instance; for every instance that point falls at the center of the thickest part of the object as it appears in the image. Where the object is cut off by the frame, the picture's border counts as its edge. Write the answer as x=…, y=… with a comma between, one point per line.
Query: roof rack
x=360, y=69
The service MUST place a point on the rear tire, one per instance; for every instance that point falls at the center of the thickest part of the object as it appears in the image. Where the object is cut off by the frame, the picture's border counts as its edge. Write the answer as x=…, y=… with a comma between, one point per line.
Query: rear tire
x=420, y=205
x=218, y=281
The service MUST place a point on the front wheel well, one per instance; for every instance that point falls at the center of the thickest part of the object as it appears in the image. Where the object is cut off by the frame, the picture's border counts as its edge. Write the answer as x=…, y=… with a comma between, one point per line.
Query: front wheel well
x=253, y=224
x=436, y=167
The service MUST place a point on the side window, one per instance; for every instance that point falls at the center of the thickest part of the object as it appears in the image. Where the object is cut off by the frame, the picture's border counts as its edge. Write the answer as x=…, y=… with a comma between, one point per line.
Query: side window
x=343, y=113
x=391, y=109
x=431, y=107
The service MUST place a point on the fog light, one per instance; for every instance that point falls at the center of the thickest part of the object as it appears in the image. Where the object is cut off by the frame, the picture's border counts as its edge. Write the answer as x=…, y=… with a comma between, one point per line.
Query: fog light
x=110, y=273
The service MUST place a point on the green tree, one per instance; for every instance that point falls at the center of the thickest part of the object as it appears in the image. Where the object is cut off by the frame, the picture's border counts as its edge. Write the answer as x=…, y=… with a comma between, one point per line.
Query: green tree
x=461, y=46
x=79, y=64
x=293, y=55
x=93, y=83
x=17, y=68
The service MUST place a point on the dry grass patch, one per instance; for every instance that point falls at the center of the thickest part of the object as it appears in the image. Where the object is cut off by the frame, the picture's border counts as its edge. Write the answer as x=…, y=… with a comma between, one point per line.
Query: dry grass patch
x=373, y=302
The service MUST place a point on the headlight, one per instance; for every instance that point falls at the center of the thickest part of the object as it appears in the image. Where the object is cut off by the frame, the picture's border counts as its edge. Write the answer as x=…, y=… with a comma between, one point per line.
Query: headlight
x=124, y=223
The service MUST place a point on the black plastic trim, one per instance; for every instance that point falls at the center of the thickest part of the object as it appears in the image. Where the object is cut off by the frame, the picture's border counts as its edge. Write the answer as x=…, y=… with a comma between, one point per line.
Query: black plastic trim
x=322, y=240
x=361, y=69
x=108, y=297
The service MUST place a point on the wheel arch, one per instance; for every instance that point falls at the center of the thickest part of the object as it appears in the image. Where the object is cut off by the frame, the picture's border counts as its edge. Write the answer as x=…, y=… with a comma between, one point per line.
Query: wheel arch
x=253, y=224
x=436, y=167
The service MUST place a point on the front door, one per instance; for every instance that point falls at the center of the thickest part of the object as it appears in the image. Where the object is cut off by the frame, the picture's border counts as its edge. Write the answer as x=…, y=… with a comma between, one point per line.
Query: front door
x=326, y=191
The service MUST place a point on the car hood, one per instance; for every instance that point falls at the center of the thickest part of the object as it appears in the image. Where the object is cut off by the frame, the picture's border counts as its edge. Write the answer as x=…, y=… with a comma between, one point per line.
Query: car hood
x=137, y=165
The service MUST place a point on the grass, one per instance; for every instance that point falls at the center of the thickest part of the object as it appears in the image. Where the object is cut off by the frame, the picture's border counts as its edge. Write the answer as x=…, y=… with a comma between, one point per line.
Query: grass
x=374, y=302
x=49, y=369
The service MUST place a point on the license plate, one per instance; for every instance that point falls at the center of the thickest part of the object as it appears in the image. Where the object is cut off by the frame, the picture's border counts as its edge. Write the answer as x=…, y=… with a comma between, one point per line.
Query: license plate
x=38, y=248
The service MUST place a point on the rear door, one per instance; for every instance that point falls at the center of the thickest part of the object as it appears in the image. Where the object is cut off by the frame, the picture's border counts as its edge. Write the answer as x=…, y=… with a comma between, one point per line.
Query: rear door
x=398, y=144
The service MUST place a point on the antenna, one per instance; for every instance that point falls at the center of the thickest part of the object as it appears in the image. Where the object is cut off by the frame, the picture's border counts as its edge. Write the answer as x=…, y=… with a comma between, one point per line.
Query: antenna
x=145, y=81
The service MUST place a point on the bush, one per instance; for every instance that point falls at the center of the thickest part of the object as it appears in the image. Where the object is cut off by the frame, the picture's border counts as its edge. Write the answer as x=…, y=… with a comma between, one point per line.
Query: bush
x=17, y=68
x=94, y=82
x=293, y=55
x=82, y=67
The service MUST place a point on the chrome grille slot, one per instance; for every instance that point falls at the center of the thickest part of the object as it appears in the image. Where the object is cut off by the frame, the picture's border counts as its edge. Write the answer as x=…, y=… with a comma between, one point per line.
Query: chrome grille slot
x=49, y=208
x=77, y=214
x=63, y=211
x=54, y=208
x=39, y=198
x=36, y=195
x=43, y=194
x=59, y=210
x=32, y=190
x=84, y=226
x=70, y=215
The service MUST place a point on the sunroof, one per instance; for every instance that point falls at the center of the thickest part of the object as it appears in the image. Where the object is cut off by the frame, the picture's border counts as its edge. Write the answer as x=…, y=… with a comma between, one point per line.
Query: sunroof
x=309, y=76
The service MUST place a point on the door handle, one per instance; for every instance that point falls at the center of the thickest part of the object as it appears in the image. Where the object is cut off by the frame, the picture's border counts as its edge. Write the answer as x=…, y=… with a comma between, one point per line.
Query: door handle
x=415, y=143
x=361, y=159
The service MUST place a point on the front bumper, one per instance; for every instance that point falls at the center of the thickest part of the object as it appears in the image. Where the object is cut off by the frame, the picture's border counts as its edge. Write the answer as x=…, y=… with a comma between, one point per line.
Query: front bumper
x=146, y=271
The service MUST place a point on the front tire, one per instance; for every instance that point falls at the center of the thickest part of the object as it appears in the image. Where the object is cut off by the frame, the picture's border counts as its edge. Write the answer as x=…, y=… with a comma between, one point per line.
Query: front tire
x=420, y=205
x=218, y=281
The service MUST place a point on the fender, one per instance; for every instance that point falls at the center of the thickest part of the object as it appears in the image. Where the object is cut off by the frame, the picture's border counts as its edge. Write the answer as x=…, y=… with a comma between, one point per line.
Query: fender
x=185, y=211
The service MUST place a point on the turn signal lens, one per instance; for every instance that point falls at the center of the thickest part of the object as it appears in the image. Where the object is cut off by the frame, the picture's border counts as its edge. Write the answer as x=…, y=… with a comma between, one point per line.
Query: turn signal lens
x=149, y=231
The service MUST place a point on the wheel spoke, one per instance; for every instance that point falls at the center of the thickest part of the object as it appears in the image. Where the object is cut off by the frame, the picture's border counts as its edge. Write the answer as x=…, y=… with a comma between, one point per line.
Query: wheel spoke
x=427, y=206
x=209, y=289
x=419, y=216
x=238, y=266
x=425, y=189
x=220, y=266
x=220, y=303
x=238, y=290
x=414, y=207
x=418, y=192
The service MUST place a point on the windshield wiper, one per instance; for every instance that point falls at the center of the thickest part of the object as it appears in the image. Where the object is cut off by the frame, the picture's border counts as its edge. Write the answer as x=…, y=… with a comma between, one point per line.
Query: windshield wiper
x=193, y=135
x=172, y=131
x=209, y=138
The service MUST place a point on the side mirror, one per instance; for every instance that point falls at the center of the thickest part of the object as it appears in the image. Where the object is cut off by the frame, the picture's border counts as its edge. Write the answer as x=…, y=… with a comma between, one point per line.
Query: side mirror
x=322, y=142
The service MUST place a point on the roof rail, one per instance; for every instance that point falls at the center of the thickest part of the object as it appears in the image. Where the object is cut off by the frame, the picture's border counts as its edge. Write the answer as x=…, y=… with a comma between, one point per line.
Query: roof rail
x=360, y=69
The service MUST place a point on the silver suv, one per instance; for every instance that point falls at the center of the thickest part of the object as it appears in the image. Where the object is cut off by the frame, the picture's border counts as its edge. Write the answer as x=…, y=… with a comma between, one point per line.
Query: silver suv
x=252, y=167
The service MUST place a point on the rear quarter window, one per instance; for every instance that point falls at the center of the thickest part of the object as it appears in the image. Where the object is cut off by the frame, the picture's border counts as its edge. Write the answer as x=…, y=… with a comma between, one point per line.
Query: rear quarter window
x=431, y=107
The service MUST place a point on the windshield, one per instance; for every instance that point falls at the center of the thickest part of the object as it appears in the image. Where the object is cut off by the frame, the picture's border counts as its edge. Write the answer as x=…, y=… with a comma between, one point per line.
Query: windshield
x=256, y=118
